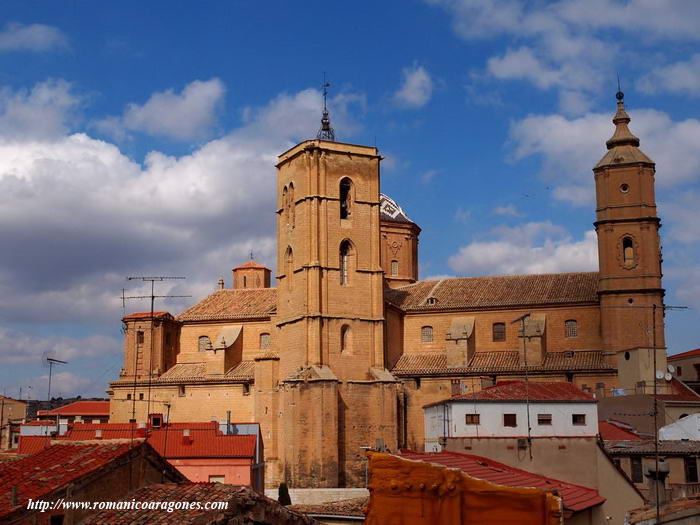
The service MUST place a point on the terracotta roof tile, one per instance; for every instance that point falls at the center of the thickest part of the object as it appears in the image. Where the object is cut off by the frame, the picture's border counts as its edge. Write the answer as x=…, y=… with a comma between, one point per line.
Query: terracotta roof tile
x=503, y=361
x=646, y=447
x=197, y=373
x=574, y=497
x=679, y=392
x=233, y=304
x=345, y=507
x=476, y=293
x=54, y=467
x=519, y=391
x=251, y=264
x=79, y=408
x=614, y=431
x=689, y=353
x=141, y=315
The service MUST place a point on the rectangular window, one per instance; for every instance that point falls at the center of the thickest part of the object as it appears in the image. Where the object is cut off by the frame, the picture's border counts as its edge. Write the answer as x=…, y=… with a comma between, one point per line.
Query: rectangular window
x=578, y=419
x=691, y=469
x=128, y=397
x=571, y=328
x=544, y=419
x=426, y=334
x=139, y=337
x=499, y=331
x=679, y=370
x=181, y=390
x=472, y=419
x=636, y=470
x=510, y=420
x=216, y=479
x=141, y=396
x=394, y=267
x=246, y=389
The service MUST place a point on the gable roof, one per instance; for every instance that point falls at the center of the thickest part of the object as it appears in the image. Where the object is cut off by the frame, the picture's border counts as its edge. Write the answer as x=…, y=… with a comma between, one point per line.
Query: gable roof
x=233, y=304
x=54, y=468
x=503, y=361
x=503, y=291
x=689, y=353
x=574, y=497
x=517, y=391
x=79, y=408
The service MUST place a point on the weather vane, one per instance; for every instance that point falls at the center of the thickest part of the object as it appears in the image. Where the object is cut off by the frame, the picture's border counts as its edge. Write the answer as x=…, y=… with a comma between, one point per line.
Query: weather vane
x=326, y=132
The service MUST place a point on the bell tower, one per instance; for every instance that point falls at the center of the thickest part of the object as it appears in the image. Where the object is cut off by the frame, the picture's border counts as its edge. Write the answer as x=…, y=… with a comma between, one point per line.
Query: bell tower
x=629, y=253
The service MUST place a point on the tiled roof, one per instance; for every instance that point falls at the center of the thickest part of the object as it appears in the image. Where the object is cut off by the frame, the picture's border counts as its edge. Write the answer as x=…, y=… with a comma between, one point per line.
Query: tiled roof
x=521, y=391
x=689, y=353
x=614, y=431
x=147, y=315
x=501, y=361
x=53, y=468
x=197, y=372
x=345, y=507
x=79, y=408
x=475, y=293
x=390, y=211
x=245, y=506
x=251, y=264
x=206, y=440
x=233, y=304
x=33, y=444
x=646, y=447
x=679, y=392
x=574, y=497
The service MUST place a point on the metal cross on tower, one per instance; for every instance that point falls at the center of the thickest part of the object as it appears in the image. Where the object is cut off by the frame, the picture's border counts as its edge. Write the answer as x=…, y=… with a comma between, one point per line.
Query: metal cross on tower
x=326, y=132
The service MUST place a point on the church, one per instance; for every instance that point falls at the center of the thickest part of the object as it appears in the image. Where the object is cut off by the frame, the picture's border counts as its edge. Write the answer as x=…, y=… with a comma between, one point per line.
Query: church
x=344, y=351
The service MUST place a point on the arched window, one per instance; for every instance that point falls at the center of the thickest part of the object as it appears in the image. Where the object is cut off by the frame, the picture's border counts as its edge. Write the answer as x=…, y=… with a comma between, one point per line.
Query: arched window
x=264, y=341
x=426, y=334
x=204, y=343
x=291, y=205
x=346, y=260
x=571, y=328
x=245, y=282
x=285, y=206
x=345, y=339
x=394, y=267
x=289, y=266
x=628, y=251
x=345, y=198
x=499, y=331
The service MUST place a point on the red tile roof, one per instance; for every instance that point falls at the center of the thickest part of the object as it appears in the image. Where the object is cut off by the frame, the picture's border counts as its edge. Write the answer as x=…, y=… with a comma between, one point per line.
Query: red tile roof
x=147, y=315
x=575, y=497
x=51, y=469
x=206, y=440
x=614, y=431
x=679, y=392
x=33, y=444
x=476, y=293
x=689, y=353
x=252, y=264
x=520, y=391
x=79, y=408
x=233, y=304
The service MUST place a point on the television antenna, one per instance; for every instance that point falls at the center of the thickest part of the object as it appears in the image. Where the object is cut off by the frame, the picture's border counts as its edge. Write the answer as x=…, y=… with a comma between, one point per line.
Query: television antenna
x=48, y=361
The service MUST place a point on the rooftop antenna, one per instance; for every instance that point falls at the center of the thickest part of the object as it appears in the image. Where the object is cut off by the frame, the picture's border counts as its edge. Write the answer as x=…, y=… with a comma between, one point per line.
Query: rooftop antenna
x=326, y=132
x=619, y=95
x=251, y=255
x=48, y=361
x=522, y=320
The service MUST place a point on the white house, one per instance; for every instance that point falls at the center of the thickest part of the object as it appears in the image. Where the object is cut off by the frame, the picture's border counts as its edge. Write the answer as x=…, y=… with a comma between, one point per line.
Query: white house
x=552, y=409
x=687, y=427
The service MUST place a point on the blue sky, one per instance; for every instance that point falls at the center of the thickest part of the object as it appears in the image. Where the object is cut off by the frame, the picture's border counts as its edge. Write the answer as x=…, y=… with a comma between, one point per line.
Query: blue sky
x=140, y=138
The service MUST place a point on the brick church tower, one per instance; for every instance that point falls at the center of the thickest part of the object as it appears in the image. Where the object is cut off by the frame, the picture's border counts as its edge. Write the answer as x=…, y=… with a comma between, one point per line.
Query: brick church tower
x=332, y=395
x=629, y=252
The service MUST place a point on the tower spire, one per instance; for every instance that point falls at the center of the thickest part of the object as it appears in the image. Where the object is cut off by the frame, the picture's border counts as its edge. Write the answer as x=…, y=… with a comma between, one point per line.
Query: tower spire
x=326, y=132
x=623, y=146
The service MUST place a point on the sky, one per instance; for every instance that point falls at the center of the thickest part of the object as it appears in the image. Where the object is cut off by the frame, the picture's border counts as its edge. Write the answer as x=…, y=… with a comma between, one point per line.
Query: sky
x=139, y=138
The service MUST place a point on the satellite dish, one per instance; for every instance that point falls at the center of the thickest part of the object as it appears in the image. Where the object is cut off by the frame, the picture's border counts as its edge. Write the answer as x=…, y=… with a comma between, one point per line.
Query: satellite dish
x=659, y=374
x=668, y=376
x=671, y=369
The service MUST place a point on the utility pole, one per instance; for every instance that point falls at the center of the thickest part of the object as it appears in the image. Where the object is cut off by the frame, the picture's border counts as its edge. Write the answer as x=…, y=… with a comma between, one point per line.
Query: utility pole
x=522, y=319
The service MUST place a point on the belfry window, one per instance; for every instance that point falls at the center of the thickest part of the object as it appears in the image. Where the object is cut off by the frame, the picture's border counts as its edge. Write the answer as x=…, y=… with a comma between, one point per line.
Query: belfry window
x=571, y=328
x=264, y=341
x=345, y=261
x=291, y=205
x=345, y=198
x=499, y=331
x=289, y=267
x=139, y=337
x=426, y=334
x=628, y=251
x=204, y=344
x=345, y=339
x=285, y=206
x=394, y=268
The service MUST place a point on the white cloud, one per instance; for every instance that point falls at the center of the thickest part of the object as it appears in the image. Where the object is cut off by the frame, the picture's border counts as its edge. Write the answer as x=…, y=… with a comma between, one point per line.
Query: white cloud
x=42, y=112
x=570, y=147
x=681, y=212
x=534, y=247
x=428, y=176
x=509, y=210
x=33, y=37
x=188, y=115
x=416, y=88
x=522, y=64
x=680, y=77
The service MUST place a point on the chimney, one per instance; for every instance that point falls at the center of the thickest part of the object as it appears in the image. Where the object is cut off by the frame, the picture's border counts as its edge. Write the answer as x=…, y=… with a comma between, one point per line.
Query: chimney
x=141, y=429
x=186, y=439
x=221, y=283
x=98, y=433
x=657, y=482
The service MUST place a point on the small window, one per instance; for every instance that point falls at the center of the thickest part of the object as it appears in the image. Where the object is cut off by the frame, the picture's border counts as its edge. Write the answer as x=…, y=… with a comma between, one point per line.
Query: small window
x=431, y=300
x=691, y=469
x=510, y=420
x=578, y=419
x=292, y=206
x=679, y=370
x=345, y=254
x=128, y=397
x=544, y=419
x=181, y=390
x=246, y=389
x=628, y=251
x=345, y=198
x=155, y=422
x=264, y=341
x=636, y=470
x=499, y=331
x=426, y=334
x=204, y=344
x=394, y=268
x=472, y=419
x=245, y=282
x=141, y=396
x=139, y=337
x=345, y=339
x=289, y=267
x=571, y=328
x=216, y=478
